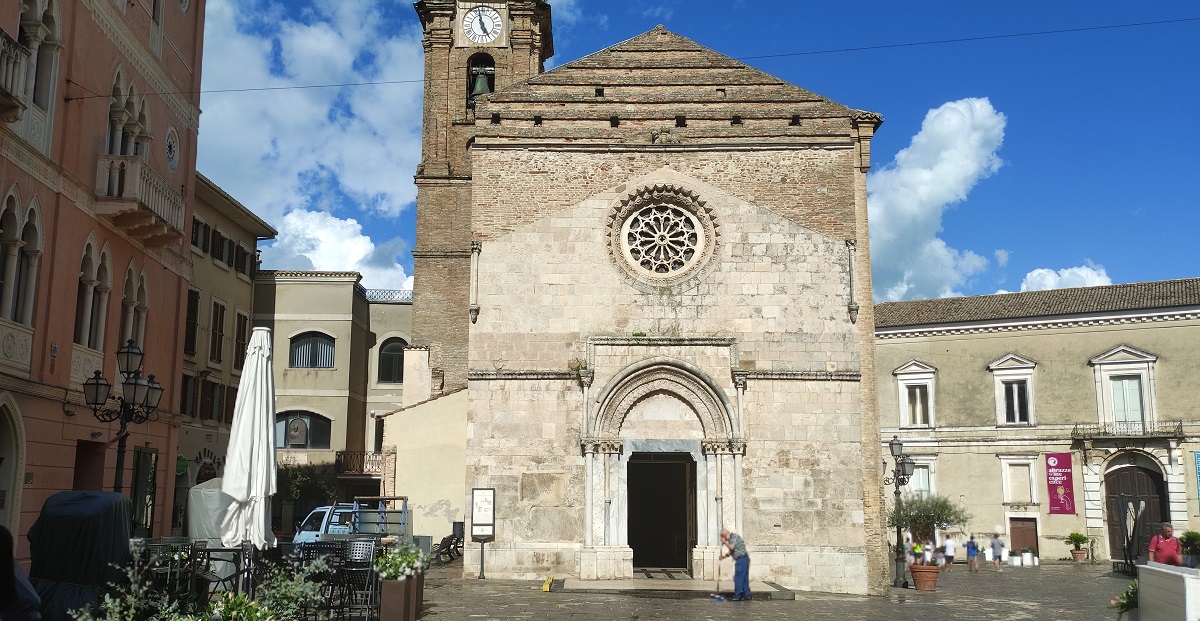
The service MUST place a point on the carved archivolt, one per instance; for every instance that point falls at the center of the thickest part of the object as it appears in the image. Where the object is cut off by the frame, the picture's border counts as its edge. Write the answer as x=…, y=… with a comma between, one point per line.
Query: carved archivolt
x=700, y=395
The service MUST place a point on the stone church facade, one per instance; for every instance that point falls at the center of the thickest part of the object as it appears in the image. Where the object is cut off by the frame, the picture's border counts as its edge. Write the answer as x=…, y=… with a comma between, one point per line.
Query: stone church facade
x=649, y=270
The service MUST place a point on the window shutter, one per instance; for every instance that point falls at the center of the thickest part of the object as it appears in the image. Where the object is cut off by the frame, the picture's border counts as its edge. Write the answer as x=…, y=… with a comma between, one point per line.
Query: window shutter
x=190, y=325
x=230, y=402
x=206, y=394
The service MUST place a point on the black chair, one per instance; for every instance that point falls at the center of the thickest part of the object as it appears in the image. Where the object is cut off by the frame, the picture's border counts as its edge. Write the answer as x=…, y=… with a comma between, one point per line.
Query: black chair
x=359, y=597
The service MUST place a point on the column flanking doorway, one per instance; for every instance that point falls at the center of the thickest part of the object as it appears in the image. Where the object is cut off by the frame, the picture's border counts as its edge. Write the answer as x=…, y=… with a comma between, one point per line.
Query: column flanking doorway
x=662, y=510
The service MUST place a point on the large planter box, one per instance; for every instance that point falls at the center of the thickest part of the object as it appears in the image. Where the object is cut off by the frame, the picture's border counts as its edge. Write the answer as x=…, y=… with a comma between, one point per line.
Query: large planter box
x=401, y=600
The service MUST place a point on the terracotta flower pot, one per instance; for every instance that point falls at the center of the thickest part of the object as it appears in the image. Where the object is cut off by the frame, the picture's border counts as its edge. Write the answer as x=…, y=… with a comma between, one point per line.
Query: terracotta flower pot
x=924, y=576
x=1078, y=555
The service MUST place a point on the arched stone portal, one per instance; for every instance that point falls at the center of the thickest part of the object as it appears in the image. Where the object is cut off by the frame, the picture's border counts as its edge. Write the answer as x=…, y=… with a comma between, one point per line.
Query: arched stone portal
x=1136, y=502
x=662, y=409
x=12, y=462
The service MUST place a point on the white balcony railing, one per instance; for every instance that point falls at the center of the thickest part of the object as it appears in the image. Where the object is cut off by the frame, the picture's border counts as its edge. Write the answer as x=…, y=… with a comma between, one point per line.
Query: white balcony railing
x=138, y=200
x=14, y=59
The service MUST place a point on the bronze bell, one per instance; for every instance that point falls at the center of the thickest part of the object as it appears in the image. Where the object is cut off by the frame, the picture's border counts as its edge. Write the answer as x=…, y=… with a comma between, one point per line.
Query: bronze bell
x=481, y=85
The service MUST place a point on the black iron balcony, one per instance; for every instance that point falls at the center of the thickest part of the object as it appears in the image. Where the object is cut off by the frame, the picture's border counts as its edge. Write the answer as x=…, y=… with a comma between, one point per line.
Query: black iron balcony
x=1123, y=430
x=359, y=462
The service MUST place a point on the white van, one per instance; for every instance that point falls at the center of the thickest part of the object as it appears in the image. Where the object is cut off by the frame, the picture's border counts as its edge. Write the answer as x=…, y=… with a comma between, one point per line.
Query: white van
x=388, y=517
x=328, y=520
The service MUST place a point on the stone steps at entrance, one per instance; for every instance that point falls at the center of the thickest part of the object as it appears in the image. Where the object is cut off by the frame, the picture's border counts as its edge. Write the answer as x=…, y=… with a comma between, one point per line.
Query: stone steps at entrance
x=679, y=588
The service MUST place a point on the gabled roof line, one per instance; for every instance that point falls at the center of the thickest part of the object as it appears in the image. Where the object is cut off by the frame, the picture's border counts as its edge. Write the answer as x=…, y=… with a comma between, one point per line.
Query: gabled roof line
x=420, y=403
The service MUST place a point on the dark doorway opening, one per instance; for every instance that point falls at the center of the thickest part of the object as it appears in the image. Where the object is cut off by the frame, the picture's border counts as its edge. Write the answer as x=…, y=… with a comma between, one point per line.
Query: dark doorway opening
x=1136, y=503
x=662, y=509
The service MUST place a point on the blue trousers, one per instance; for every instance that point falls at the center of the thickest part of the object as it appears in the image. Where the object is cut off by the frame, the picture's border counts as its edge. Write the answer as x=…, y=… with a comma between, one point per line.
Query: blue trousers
x=741, y=577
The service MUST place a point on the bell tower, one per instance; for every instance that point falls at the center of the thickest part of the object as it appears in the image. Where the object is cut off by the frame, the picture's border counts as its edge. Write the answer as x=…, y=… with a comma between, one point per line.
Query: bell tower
x=471, y=49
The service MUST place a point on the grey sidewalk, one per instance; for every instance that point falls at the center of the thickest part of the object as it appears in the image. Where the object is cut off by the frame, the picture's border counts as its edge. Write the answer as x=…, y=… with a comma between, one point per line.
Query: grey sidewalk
x=1051, y=592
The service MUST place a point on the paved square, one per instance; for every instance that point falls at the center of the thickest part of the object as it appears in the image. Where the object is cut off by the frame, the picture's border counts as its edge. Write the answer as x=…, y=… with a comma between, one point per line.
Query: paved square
x=1051, y=592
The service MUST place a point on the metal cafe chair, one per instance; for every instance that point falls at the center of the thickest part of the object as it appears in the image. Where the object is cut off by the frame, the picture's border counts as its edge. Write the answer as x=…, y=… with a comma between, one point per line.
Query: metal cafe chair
x=358, y=597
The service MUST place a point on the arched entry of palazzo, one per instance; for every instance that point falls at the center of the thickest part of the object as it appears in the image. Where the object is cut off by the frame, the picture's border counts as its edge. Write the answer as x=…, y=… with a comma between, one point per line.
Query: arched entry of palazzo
x=1136, y=502
x=12, y=462
x=663, y=457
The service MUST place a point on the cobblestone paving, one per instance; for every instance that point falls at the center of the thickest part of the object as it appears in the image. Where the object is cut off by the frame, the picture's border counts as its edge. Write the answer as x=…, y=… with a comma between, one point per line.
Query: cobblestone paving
x=1051, y=592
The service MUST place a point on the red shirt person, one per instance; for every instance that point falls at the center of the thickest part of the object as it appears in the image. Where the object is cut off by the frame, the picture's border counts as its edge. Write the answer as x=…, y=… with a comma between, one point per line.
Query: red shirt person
x=1165, y=548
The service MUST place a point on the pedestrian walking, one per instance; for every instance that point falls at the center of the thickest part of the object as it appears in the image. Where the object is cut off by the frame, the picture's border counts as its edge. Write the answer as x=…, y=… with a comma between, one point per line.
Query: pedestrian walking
x=972, y=554
x=948, y=553
x=997, y=549
x=908, y=551
x=741, y=564
x=1165, y=548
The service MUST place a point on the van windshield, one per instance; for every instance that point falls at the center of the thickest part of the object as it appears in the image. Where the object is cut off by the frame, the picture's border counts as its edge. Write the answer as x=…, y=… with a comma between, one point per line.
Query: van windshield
x=314, y=519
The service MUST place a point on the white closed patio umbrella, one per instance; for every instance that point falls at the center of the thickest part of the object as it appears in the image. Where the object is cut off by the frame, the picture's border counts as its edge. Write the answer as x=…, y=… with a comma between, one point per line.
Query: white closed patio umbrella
x=250, y=460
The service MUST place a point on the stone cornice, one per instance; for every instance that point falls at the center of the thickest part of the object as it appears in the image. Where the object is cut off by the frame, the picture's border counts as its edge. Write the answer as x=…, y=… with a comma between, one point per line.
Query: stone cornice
x=104, y=14
x=519, y=375
x=438, y=253
x=557, y=145
x=805, y=376
x=314, y=275
x=1017, y=325
x=658, y=341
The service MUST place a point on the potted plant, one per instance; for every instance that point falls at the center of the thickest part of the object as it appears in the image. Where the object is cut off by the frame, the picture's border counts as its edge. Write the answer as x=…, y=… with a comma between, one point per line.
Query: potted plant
x=1190, y=540
x=1078, y=554
x=1126, y=603
x=402, y=587
x=923, y=516
x=1027, y=556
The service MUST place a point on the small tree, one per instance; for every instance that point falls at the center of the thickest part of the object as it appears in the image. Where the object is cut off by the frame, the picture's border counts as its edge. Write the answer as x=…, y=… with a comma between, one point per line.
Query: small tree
x=925, y=515
x=1077, y=540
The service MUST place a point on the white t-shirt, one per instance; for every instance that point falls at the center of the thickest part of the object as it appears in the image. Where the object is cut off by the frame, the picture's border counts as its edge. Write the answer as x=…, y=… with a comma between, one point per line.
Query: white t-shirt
x=949, y=547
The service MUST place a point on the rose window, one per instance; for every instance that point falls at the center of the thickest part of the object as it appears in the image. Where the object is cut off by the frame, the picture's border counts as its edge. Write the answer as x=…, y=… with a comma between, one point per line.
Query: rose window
x=662, y=239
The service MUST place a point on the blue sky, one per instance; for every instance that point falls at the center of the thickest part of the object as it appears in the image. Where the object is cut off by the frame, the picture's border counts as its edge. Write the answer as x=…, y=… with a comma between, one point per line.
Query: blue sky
x=1004, y=162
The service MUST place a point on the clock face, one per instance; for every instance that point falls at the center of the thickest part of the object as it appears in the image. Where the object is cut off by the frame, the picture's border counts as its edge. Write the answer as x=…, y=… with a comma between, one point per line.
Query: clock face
x=482, y=24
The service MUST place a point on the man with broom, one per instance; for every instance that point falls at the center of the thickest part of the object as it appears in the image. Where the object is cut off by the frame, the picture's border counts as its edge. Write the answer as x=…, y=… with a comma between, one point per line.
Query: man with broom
x=741, y=564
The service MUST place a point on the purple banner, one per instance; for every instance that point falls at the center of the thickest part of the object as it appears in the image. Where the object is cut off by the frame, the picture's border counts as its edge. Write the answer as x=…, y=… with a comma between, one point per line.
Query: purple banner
x=1060, y=484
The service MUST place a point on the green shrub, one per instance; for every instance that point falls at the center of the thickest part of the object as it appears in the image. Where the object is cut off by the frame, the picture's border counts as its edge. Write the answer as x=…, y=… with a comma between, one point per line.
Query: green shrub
x=923, y=515
x=291, y=590
x=1190, y=540
x=1078, y=539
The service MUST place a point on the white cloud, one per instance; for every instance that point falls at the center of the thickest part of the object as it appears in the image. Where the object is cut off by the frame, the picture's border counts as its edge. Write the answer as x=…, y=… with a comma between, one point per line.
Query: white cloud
x=312, y=152
x=1087, y=275
x=955, y=149
x=1001, y=257
x=315, y=240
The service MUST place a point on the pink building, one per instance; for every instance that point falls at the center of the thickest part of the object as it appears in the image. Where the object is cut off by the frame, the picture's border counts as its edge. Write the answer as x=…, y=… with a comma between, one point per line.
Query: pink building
x=99, y=106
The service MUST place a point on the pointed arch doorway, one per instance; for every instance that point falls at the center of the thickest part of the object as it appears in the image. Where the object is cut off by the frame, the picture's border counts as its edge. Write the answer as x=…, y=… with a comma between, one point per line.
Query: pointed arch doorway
x=662, y=510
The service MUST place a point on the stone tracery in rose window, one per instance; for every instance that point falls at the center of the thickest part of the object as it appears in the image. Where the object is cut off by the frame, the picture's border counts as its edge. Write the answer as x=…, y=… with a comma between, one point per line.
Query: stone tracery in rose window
x=662, y=236
x=662, y=239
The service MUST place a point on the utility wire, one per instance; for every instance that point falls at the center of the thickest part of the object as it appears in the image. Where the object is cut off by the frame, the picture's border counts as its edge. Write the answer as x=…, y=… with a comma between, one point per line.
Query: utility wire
x=1039, y=33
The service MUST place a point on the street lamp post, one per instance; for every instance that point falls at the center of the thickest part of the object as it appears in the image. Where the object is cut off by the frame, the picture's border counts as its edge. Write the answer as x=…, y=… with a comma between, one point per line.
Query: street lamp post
x=901, y=473
x=137, y=404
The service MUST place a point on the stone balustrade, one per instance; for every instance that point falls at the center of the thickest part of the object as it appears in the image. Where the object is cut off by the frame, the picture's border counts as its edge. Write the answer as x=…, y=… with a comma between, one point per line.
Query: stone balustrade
x=14, y=59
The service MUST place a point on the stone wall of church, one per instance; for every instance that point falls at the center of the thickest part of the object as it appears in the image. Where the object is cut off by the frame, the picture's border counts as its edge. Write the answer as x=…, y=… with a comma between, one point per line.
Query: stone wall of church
x=810, y=186
x=776, y=289
x=803, y=510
